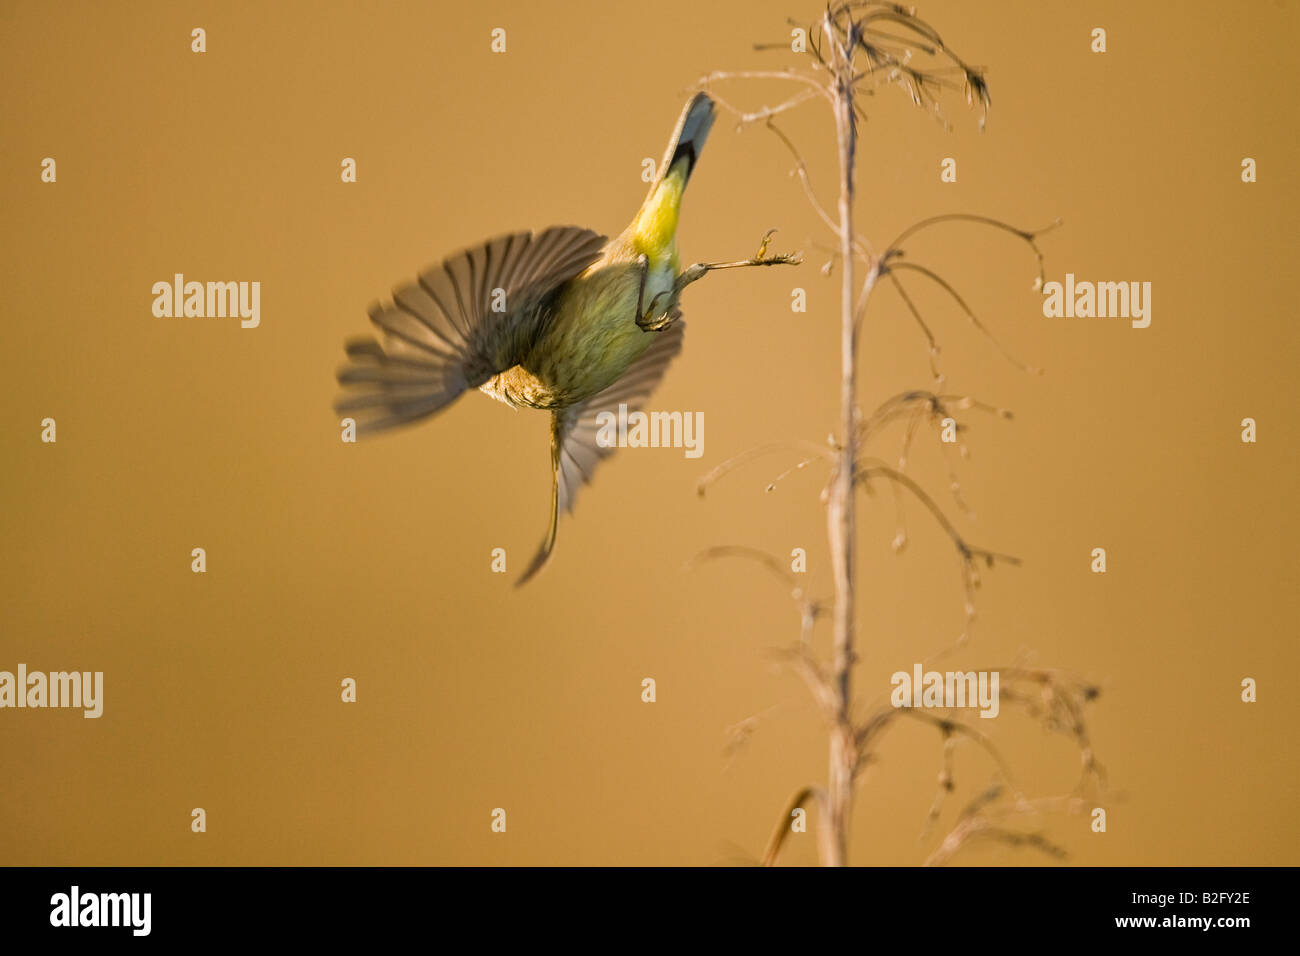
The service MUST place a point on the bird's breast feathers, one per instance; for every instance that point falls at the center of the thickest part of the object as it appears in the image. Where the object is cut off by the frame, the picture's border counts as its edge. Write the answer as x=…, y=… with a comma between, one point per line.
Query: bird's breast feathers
x=592, y=337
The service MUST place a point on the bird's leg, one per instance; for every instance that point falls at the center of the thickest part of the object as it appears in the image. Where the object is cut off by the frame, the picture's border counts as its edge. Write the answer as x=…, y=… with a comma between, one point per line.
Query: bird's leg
x=643, y=320
x=699, y=270
x=646, y=322
x=643, y=263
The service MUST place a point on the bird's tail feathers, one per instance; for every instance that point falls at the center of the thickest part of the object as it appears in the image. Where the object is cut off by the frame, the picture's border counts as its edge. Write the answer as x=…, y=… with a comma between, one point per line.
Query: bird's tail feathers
x=543, y=555
x=689, y=136
x=656, y=223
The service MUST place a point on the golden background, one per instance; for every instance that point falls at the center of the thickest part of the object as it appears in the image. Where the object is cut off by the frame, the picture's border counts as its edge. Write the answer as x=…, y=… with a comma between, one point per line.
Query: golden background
x=328, y=560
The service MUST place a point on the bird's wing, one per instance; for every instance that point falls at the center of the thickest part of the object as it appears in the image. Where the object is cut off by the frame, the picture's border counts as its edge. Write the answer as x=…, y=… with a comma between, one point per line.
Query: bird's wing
x=458, y=324
x=575, y=452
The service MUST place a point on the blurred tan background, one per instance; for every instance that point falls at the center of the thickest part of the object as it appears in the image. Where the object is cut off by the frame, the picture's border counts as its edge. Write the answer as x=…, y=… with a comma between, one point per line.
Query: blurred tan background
x=328, y=560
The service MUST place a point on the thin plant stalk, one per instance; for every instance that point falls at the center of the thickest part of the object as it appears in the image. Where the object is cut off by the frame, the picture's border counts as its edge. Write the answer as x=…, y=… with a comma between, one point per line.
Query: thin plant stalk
x=841, y=511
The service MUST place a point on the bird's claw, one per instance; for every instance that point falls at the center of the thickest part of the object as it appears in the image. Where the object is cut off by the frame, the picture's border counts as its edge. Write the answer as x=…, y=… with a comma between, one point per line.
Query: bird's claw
x=647, y=322
x=761, y=258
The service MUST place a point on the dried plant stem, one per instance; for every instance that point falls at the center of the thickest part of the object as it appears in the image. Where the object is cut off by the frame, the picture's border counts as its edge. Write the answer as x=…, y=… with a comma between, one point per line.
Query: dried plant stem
x=841, y=511
x=852, y=57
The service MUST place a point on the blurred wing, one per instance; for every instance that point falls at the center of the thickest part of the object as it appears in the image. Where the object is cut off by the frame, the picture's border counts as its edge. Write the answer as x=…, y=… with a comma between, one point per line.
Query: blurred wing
x=575, y=453
x=458, y=324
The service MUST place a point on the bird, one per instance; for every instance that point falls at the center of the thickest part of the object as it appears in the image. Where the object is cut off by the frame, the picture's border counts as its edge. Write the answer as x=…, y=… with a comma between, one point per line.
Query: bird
x=563, y=320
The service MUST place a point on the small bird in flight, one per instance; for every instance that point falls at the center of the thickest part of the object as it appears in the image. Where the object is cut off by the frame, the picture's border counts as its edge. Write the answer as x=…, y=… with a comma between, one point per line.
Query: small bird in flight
x=562, y=320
